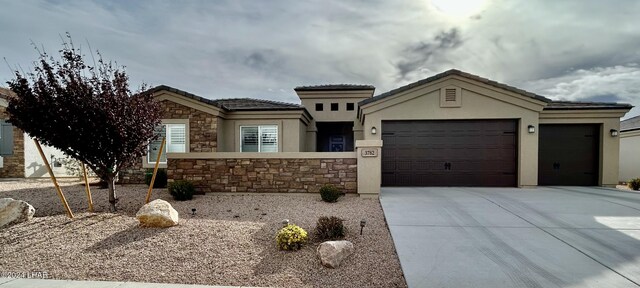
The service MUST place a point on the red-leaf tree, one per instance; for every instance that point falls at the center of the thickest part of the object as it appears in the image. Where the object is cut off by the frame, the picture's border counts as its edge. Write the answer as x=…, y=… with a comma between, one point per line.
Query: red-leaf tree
x=88, y=112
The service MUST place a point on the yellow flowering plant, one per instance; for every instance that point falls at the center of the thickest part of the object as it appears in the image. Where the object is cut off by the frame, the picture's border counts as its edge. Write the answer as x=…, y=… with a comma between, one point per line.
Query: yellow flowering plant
x=291, y=237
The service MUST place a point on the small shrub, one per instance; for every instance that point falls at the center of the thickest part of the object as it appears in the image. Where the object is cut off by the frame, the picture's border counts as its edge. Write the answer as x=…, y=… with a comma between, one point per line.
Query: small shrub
x=182, y=190
x=161, y=178
x=291, y=237
x=329, y=228
x=634, y=184
x=329, y=193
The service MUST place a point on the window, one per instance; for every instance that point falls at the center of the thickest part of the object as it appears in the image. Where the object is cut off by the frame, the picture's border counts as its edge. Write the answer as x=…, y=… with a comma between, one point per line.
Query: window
x=334, y=106
x=262, y=138
x=176, y=142
x=350, y=106
x=319, y=107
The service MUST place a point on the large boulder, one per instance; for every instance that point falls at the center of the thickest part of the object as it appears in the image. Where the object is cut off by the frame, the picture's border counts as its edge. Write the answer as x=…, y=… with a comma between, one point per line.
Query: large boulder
x=331, y=253
x=157, y=213
x=14, y=211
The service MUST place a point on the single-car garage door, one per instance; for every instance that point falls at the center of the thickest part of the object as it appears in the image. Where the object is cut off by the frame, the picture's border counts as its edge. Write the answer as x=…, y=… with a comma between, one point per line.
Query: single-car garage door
x=449, y=153
x=569, y=154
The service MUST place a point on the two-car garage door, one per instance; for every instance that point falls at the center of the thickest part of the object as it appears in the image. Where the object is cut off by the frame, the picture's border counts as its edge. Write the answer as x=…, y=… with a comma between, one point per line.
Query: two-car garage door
x=449, y=153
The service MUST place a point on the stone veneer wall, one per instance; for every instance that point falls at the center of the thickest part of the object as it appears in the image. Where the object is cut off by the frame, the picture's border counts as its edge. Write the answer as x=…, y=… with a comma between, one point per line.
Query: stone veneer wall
x=265, y=175
x=13, y=166
x=202, y=136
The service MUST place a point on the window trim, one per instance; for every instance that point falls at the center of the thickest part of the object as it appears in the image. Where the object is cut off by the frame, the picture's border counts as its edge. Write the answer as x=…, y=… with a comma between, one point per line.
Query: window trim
x=145, y=158
x=260, y=126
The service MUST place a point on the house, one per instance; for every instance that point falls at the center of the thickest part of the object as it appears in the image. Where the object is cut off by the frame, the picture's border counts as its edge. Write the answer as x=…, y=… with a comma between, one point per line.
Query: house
x=451, y=129
x=630, y=149
x=19, y=157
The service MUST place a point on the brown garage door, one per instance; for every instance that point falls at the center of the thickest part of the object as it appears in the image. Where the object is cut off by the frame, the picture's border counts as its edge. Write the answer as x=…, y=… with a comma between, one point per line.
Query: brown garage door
x=449, y=153
x=569, y=154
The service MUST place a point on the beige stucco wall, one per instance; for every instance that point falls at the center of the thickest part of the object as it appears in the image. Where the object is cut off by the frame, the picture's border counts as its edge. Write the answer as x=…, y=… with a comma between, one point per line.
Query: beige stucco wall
x=478, y=102
x=609, y=146
x=310, y=98
x=629, y=155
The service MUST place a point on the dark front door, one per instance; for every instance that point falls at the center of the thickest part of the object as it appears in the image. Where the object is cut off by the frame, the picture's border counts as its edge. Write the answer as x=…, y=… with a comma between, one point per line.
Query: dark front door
x=569, y=154
x=449, y=153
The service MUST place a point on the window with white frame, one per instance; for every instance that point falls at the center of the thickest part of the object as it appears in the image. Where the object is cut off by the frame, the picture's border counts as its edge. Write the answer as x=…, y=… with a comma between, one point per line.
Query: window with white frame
x=259, y=138
x=176, y=142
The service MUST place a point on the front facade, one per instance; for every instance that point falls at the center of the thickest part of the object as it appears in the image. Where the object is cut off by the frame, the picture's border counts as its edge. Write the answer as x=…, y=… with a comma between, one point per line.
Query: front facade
x=452, y=129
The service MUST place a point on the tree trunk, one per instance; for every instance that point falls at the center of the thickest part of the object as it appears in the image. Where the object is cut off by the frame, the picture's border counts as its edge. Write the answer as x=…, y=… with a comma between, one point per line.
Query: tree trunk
x=111, y=181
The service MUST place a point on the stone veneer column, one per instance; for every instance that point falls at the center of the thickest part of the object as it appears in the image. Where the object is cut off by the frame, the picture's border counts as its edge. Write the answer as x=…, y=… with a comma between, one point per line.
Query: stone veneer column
x=369, y=167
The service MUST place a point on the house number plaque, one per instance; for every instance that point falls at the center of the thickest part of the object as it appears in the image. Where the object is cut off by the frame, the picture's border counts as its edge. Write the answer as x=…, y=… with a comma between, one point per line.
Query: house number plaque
x=369, y=152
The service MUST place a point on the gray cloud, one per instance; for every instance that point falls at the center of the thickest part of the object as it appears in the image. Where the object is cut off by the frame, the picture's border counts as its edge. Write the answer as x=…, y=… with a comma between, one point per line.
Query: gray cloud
x=418, y=55
x=575, y=49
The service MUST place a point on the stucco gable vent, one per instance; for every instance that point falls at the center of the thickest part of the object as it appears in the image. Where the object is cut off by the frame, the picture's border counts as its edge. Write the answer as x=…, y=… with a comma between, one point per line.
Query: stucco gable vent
x=450, y=96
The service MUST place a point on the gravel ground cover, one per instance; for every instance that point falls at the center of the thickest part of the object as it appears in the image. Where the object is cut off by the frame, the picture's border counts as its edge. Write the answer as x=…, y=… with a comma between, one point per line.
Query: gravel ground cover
x=230, y=240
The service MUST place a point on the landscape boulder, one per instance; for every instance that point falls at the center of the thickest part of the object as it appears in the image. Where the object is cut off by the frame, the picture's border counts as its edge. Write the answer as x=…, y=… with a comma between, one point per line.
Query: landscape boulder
x=14, y=211
x=331, y=253
x=157, y=213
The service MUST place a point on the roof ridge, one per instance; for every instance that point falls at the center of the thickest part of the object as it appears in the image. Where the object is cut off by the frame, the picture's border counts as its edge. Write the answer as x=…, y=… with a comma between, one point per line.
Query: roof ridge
x=458, y=73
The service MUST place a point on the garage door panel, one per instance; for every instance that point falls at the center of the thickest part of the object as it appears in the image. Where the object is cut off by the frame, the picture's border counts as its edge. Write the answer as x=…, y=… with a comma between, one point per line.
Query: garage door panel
x=450, y=153
x=569, y=154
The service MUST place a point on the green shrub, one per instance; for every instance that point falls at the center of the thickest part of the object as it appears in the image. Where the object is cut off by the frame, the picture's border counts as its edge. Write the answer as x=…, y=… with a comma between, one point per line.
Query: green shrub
x=329, y=228
x=161, y=178
x=291, y=237
x=634, y=184
x=182, y=190
x=329, y=193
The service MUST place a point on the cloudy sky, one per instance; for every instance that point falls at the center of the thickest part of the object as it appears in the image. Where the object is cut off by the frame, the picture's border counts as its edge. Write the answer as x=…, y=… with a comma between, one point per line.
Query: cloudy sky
x=587, y=50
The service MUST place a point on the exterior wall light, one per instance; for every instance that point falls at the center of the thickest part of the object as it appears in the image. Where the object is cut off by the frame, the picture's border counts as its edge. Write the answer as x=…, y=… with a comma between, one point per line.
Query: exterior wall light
x=614, y=132
x=363, y=222
x=531, y=129
x=374, y=130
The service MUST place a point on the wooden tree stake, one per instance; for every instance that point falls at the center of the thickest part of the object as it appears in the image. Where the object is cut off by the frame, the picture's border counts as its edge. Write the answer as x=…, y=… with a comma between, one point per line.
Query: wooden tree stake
x=155, y=170
x=86, y=187
x=55, y=182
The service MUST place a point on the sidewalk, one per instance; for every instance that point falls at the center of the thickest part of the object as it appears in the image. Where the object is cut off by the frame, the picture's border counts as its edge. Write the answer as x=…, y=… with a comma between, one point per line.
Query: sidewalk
x=50, y=283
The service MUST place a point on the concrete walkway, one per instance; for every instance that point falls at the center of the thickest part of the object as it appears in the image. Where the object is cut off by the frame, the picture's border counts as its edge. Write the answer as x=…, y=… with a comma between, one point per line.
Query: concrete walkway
x=50, y=283
x=509, y=237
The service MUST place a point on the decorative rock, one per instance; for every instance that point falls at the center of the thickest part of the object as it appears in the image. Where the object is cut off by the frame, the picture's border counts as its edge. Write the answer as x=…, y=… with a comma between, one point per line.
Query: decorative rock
x=157, y=213
x=331, y=253
x=14, y=211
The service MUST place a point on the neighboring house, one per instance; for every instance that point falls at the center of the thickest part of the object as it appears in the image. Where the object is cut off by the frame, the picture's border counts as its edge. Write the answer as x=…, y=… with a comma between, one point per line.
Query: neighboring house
x=19, y=156
x=630, y=149
x=452, y=129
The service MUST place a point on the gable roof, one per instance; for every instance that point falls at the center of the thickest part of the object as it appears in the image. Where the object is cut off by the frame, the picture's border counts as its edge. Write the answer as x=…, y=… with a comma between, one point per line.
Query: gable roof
x=551, y=104
x=456, y=73
x=333, y=87
x=630, y=124
x=233, y=104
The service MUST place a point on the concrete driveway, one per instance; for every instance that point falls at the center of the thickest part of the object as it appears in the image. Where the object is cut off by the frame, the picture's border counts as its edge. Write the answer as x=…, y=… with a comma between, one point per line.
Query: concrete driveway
x=509, y=237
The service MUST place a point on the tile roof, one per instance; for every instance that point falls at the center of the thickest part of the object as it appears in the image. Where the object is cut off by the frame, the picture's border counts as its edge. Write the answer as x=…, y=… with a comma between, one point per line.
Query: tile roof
x=457, y=73
x=630, y=124
x=332, y=87
x=571, y=105
x=248, y=104
x=235, y=104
